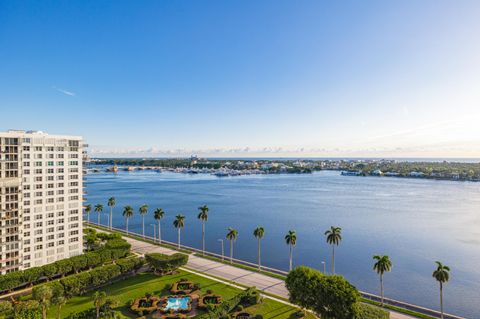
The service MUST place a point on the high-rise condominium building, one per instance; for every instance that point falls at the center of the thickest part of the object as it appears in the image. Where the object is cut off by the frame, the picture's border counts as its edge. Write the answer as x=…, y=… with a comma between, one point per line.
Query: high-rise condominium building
x=41, y=196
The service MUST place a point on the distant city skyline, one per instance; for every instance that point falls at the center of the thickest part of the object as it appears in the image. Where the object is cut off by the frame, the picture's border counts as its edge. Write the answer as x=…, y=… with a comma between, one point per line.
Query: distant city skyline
x=246, y=79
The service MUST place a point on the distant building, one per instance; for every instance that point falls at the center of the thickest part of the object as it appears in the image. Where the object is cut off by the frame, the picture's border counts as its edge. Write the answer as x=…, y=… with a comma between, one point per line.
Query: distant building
x=41, y=196
x=416, y=174
x=377, y=172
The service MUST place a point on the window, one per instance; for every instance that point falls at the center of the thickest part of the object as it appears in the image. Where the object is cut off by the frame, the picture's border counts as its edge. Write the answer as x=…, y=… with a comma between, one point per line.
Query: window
x=49, y=163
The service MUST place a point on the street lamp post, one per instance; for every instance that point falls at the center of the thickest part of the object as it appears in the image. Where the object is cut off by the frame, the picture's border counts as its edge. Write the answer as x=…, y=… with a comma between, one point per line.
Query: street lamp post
x=154, y=232
x=221, y=241
x=324, y=267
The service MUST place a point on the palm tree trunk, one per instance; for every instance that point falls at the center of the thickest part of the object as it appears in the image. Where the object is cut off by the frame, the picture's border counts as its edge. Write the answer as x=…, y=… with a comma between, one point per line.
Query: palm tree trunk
x=333, y=259
x=159, y=233
x=98, y=218
x=259, y=261
x=59, y=311
x=44, y=311
x=88, y=218
x=381, y=287
x=98, y=312
x=178, y=238
x=231, y=251
x=290, y=268
x=127, y=224
x=441, y=301
x=111, y=212
x=203, y=238
x=143, y=227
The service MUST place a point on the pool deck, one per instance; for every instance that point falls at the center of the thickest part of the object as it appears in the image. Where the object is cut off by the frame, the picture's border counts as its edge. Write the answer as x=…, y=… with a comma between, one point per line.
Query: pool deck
x=230, y=273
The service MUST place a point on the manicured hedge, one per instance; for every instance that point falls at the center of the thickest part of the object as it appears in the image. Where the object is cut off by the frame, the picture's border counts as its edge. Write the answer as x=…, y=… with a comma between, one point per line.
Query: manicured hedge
x=366, y=311
x=78, y=284
x=164, y=263
x=114, y=249
x=247, y=298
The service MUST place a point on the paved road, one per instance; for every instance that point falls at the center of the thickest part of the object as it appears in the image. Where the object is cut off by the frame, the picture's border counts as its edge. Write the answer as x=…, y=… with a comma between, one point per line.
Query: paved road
x=240, y=276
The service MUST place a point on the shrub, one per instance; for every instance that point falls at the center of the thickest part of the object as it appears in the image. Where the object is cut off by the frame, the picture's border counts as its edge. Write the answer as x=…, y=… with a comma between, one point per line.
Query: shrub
x=93, y=259
x=330, y=296
x=6, y=309
x=11, y=280
x=27, y=310
x=79, y=262
x=366, y=311
x=165, y=264
x=114, y=249
x=32, y=275
x=64, y=266
x=49, y=270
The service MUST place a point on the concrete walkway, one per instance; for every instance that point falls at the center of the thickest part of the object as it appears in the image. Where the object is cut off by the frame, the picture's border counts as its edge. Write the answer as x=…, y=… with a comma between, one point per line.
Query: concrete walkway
x=230, y=273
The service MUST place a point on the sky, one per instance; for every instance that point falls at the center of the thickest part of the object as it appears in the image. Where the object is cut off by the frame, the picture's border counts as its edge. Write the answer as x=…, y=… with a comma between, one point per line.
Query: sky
x=246, y=78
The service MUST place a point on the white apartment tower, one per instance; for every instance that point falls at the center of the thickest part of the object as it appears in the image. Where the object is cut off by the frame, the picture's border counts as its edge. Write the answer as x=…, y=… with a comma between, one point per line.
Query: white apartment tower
x=41, y=198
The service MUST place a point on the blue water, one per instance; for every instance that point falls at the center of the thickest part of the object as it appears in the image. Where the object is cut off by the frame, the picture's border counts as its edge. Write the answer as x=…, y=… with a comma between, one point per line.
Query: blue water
x=414, y=221
x=177, y=303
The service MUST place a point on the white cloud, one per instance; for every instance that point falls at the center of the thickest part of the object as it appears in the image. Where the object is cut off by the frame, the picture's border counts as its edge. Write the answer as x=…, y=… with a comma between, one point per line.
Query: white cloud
x=64, y=91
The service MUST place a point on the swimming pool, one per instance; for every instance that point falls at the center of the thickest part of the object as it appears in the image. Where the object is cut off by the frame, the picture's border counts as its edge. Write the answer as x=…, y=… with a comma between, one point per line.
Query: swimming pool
x=177, y=303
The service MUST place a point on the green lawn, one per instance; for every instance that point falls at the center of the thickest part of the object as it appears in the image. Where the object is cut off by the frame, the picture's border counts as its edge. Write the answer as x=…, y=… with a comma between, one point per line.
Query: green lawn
x=137, y=286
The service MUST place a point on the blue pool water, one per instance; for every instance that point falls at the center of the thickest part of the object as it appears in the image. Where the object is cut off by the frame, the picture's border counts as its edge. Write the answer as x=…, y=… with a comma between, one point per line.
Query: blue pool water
x=414, y=221
x=177, y=303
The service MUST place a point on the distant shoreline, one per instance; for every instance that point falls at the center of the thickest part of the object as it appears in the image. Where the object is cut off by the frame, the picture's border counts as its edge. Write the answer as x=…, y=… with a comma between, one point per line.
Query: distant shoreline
x=453, y=171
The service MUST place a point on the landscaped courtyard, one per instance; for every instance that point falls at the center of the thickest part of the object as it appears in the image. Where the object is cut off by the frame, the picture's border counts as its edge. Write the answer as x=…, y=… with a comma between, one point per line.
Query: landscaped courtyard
x=145, y=288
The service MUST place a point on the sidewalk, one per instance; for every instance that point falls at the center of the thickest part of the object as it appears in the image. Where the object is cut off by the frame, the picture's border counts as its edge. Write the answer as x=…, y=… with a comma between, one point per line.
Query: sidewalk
x=237, y=275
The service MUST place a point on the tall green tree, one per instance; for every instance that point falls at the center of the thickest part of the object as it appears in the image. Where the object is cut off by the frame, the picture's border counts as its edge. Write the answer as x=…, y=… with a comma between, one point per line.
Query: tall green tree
x=99, y=299
x=43, y=294
x=203, y=216
x=111, y=203
x=143, y=211
x=179, y=223
x=259, y=232
x=88, y=210
x=382, y=264
x=442, y=275
x=232, y=235
x=291, y=240
x=158, y=214
x=127, y=213
x=98, y=210
x=334, y=237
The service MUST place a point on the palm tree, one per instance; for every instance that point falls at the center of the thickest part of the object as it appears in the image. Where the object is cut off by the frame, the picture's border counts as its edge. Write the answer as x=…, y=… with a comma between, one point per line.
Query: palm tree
x=203, y=216
x=60, y=301
x=232, y=237
x=127, y=213
x=88, y=210
x=111, y=204
x=258, y=233
x=99, y=209
x=143, y=210
x=441, y=274
x=99, y=299
x=43, y=294
x=291, y=240
x=334, y=237
x=383, y=264
x=158, y=214
x=179, y=223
